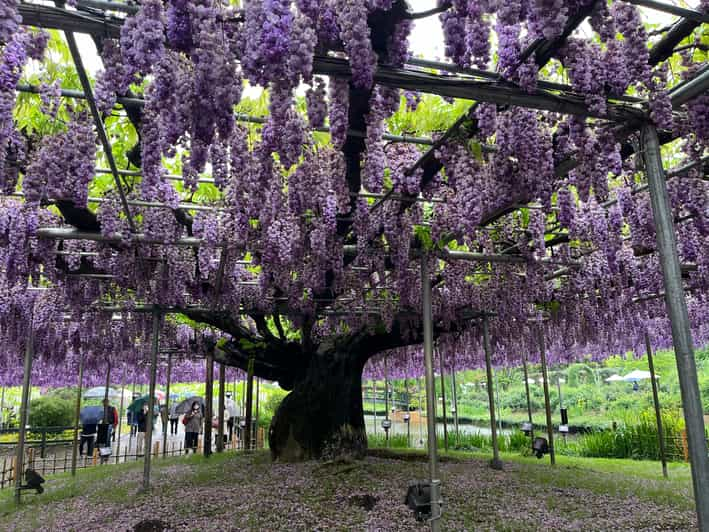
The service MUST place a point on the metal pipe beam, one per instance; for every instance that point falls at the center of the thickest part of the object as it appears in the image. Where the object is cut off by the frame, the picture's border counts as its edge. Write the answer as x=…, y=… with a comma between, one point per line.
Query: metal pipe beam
x=430, y=398
x=690, y=14
x=690, y=89
x=98, y=123
x=129, y=9
x=679, y=320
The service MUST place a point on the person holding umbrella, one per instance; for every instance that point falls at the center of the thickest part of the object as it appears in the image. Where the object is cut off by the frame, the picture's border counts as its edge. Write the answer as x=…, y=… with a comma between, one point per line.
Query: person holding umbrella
x=193, y=426
x=89, y=418
x=142, y=419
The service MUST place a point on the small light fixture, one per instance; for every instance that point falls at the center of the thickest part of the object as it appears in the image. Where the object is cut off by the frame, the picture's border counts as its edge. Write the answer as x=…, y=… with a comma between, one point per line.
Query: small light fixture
x=407, y=417
x=526, y=428
x=540, y=447
x=386, y=424
x=418, y=499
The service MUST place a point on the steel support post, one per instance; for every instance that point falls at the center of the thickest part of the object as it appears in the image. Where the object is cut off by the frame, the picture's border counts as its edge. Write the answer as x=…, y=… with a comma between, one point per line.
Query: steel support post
x=455, y=408
x=656, y=402
x=167, y=404
x=77, y=414
x=496, y=463
x=679, y=319
x=386, y=398
x=220, y=429
x=430, y=397
x=208, y=403
x=24, y=407
x=443, y=400
x=529, y=401
x=151, y=400
x=547, y=403
x=120, y=414
x=249, y=405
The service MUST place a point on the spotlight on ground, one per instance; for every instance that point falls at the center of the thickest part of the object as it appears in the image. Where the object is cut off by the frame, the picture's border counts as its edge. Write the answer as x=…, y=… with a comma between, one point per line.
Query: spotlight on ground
x=33, y=481
x=418, y=499
x=540, y=447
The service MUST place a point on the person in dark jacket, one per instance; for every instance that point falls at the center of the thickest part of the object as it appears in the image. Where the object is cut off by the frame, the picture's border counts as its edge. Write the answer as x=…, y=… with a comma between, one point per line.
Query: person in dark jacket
x=193, y=426
x=142, y=419
x=87, y=438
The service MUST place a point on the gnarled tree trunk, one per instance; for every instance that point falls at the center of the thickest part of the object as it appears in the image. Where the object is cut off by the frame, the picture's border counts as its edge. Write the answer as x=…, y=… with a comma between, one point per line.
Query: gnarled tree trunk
x=322, y=417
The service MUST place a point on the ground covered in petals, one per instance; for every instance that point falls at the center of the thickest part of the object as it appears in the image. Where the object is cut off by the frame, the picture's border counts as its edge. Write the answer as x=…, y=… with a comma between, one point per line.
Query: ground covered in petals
x=238, y=492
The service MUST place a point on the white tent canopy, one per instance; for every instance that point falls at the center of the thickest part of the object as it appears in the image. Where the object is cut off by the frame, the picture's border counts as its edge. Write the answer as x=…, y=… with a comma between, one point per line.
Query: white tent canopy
x=637, y=375
x=614, y=378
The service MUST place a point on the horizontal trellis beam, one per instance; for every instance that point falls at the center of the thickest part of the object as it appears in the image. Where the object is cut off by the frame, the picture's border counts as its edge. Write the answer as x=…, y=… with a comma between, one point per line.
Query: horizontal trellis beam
x=455, y=87
x=494, y=76
x=664, y=7
x=464, y=88
x=239, y=117
x=691, y=88
x=56, y=18
x=108, y=6
x=61, y=233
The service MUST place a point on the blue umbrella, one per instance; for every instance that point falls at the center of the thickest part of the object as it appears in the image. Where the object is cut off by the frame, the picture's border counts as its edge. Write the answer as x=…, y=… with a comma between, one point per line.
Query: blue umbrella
x=90, y=415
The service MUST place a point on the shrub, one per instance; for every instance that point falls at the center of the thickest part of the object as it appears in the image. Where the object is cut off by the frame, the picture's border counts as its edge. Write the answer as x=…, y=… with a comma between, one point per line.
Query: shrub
x=51, y=412
x=704, y=390
x=268, y=408
x=636, y=439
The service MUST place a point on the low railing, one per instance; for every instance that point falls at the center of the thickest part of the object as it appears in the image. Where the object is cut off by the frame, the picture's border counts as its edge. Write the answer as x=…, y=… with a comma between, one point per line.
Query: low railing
x=128, y=453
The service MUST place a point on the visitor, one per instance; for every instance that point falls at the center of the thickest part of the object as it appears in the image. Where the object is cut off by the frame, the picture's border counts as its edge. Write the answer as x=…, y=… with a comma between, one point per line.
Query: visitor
x=87, y=438
x=174, y=418
x=193, y=427
x=110, y=418
x=142, y=420
x=163, y=418
x=131, y=424
x=230, y=428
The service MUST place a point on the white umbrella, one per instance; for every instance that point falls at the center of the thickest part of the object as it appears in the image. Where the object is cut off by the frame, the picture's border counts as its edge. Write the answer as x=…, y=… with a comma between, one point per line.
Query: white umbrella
x=99, y=392
x=614, y=378
x=637, y=375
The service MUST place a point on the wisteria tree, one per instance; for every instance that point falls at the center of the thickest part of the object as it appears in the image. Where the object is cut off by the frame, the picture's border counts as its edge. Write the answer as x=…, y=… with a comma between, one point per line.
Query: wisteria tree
x=304, y=248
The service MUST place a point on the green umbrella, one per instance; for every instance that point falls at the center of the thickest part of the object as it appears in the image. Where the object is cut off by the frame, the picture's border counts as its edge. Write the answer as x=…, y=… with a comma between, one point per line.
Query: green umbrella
x=137, y=404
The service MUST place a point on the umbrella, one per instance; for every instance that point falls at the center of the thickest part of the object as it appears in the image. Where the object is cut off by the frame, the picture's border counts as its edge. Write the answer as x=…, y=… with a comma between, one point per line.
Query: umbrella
x=637, y=375
x=137, y=404
x=91, y=414
x=614, y=378
x=99, y=392
x=186, y=405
